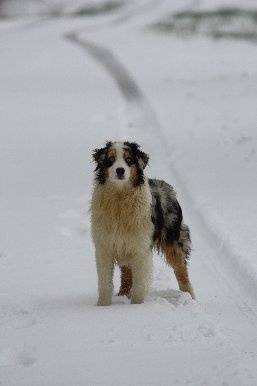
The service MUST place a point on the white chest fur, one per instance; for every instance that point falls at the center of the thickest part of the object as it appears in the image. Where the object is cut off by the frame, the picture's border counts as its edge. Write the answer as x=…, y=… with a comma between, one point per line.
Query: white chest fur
x=121, y=220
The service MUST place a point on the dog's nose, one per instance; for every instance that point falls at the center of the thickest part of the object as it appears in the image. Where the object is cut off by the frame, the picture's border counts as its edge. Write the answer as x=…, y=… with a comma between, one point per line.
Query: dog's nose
x=120, y=171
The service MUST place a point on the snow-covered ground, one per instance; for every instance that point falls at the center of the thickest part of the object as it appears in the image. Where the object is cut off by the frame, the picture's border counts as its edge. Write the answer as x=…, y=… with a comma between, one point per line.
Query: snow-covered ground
x=67, y=85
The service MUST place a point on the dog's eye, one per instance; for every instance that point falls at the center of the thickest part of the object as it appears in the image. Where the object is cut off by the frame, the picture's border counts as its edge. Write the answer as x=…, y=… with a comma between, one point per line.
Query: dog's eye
x=111, y=159
x=129, y=161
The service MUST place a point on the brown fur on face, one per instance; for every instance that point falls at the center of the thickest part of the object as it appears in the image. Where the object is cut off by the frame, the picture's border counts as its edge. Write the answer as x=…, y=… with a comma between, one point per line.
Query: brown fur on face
x=133, y=175
x=133, y=169
x=126, y=154
x=112, y=153
x=106, y=173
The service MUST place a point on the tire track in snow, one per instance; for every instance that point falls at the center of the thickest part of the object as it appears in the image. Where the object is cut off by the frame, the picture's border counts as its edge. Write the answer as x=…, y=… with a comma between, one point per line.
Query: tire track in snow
x=118, y=72
x=138, y=107
x=140, y=112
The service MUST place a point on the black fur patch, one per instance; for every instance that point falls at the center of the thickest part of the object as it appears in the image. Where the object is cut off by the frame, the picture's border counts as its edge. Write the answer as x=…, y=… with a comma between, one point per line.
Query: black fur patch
x=157, y=218
x=100, y=157
x=167, y=217
x=136, y=152
x=172, y=232
x=140, y=176
x=98, y=154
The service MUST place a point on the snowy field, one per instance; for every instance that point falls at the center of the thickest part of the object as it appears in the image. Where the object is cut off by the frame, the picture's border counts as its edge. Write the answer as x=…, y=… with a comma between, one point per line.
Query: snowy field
x=182, y=84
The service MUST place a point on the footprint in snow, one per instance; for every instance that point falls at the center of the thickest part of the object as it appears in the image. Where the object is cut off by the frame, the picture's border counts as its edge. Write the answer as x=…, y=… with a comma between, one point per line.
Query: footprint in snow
x=207, y=330
x=172, y=297
x=27, y=358
x=16, y=316
x=25, y=322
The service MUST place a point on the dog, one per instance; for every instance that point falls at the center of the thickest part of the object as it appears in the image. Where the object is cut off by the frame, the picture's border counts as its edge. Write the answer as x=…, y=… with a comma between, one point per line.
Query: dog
x=130, y=216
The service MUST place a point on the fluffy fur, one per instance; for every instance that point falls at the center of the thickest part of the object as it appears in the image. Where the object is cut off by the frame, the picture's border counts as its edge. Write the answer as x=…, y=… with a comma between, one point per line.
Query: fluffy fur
x=130, y=216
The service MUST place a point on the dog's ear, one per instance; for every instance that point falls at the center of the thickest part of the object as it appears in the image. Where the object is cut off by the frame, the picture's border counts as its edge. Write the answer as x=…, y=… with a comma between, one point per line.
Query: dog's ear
x=142, y=157
x=99, y=154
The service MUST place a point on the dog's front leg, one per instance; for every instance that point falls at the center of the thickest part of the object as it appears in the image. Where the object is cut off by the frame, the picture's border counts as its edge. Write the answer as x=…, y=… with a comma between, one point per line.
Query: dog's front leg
x=142, y=274
x=105, y=269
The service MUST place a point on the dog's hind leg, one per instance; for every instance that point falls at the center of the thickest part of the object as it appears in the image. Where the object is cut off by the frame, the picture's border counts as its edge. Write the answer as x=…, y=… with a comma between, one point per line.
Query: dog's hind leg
x=126, y=281
x=176, y=258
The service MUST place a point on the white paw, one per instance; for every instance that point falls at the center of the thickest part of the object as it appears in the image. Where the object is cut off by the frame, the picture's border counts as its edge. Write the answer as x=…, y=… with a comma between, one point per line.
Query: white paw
x=104, y=302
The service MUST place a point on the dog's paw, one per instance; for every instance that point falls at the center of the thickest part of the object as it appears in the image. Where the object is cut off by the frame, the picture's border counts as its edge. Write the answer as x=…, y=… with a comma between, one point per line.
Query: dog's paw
x=137, y=300
x=104, y=302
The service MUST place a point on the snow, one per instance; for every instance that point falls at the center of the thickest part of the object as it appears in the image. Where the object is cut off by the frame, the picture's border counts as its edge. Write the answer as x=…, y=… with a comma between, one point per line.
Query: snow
x=193, y=109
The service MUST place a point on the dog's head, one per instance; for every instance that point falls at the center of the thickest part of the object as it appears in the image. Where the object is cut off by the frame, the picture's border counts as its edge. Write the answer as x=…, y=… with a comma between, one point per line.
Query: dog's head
x=120, y=162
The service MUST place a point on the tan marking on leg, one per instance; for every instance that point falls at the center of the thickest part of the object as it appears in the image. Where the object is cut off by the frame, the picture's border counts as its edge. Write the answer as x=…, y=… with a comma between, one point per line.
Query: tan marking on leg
x=126, y=281
x=175, y=258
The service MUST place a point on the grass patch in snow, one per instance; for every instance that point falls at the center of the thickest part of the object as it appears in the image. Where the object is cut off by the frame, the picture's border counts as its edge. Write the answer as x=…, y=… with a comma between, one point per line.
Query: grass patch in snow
x=98, y=9
x=225, y=23
x=59, y=8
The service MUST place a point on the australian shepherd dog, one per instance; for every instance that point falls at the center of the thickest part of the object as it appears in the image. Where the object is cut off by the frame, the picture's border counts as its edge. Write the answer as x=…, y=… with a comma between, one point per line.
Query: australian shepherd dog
x=131, y=215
